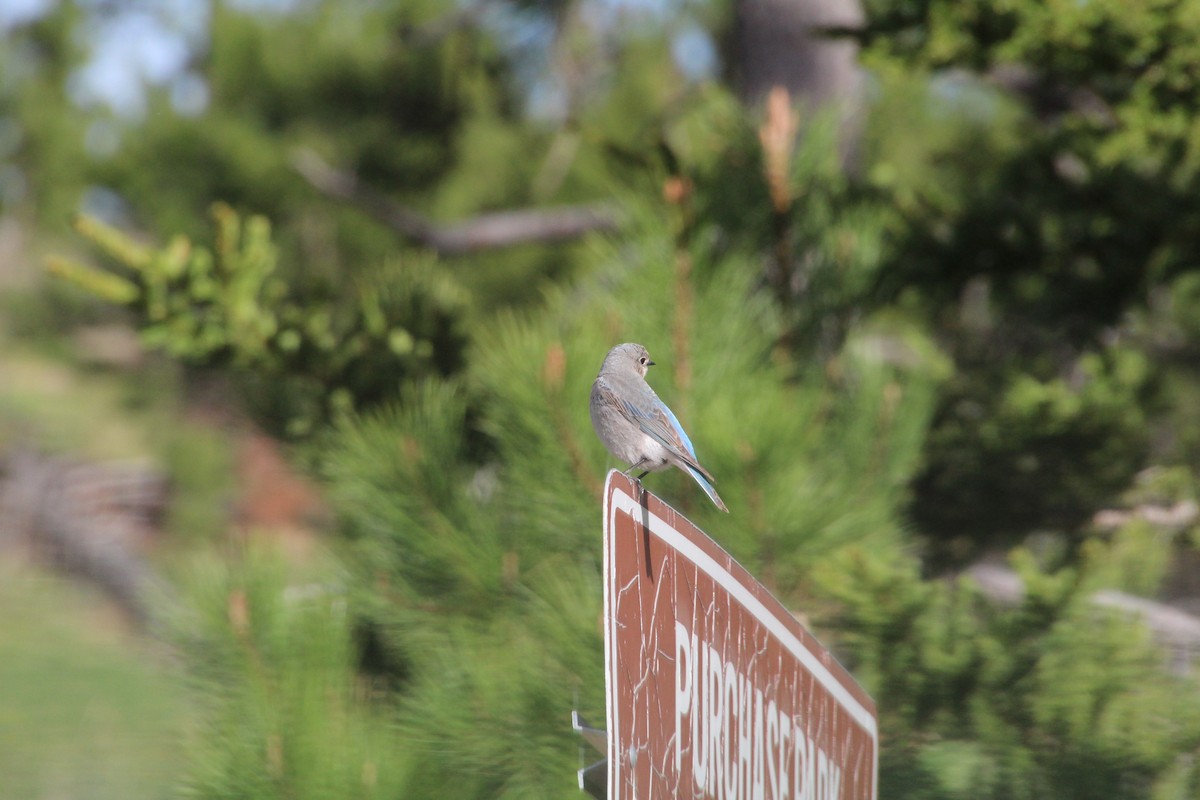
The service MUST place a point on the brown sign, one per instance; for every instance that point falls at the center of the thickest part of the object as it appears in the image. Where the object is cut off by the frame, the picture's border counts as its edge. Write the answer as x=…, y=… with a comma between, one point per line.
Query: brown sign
x=713, y=689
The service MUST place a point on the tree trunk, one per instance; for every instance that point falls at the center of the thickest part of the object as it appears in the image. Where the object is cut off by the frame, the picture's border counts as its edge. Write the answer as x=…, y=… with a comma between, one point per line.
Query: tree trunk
x=780, y=43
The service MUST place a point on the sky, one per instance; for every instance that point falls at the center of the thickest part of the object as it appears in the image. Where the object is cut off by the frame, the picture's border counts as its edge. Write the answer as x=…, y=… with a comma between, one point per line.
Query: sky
x=16, y=11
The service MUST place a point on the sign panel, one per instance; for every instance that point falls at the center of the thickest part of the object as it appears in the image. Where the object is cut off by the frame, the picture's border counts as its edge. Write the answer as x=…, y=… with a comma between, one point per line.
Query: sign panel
x=714, y=690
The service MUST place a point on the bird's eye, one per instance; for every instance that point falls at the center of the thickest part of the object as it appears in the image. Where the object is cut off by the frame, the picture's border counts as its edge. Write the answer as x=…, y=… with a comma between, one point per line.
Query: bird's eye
x=642, y=360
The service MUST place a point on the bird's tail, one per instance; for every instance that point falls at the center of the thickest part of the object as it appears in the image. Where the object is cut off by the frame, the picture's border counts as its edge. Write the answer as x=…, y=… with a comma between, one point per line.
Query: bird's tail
x=708, y=488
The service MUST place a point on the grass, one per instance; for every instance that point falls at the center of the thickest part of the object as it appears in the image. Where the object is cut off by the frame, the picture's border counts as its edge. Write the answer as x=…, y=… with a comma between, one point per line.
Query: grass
x=88, y=414
x=88, y=707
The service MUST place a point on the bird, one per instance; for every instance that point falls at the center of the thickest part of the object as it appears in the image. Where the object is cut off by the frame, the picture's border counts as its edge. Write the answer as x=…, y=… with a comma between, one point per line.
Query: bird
x=636, y=426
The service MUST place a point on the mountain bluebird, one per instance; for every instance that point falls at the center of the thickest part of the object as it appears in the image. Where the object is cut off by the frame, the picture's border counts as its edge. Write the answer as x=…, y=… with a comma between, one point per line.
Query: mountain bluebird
x=636, y=426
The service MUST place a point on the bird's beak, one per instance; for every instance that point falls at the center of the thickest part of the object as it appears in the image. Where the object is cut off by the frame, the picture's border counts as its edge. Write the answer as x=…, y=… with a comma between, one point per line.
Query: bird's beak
x=649, y=363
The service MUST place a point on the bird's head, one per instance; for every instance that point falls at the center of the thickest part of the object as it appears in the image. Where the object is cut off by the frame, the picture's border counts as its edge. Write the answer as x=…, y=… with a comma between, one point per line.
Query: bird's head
x=628, y=356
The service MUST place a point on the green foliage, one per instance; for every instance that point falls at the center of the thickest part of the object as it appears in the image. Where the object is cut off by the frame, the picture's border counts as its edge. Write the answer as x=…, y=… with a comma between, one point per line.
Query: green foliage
x=42, y=153
x=472, y=507
x=825, y=242
x=491, y=623
x=284, y=714
x=973, y=338
x=1149, y=544
x=202, y=473
x=1050, y=209
x=228, y=307
x=1054, y=697
x=422, y=110
x=1010, y=453
x=363, y=94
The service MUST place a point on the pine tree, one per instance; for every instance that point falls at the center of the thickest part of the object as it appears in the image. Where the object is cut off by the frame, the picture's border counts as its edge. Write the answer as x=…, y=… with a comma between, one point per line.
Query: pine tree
x=473, y=506
x=799, y=316
x=1031, y=235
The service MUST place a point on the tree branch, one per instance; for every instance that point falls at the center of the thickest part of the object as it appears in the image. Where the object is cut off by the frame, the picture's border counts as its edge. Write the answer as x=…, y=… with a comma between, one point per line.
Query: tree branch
x=484, y=232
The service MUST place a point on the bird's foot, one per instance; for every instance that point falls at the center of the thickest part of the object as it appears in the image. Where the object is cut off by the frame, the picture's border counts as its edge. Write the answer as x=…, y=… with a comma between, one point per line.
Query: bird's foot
x=638, y=465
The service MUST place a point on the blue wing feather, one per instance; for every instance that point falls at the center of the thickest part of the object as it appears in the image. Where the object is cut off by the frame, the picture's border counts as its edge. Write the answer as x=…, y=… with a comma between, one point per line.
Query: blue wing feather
x=661, y=424
x=679, y=430
x=708, y=488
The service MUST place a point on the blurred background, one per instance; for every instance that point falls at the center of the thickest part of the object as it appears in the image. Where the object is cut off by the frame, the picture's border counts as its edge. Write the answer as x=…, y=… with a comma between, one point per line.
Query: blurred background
x=300, y=305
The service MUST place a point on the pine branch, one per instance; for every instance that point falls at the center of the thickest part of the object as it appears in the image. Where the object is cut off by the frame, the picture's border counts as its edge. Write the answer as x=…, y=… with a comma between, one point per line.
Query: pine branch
x=1171, y=627
x=484, y=232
